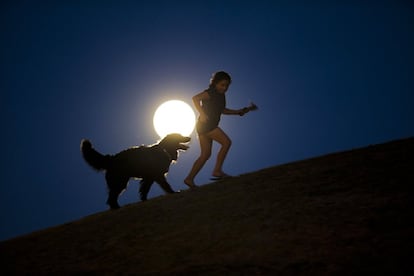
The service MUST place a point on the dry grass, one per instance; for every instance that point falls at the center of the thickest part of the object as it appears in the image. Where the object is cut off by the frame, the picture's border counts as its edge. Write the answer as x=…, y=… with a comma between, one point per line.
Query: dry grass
x=344, y=213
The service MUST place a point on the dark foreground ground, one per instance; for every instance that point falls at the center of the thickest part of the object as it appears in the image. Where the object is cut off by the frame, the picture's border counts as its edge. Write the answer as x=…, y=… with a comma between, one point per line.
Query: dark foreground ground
x=348, y=213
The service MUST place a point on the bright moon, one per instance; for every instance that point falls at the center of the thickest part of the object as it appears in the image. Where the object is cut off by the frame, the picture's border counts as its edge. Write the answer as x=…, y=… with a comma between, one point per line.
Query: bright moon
x=174, y=117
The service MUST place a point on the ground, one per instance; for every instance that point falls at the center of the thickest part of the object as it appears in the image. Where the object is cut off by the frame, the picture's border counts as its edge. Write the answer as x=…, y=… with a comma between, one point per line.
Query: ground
x=347, y=213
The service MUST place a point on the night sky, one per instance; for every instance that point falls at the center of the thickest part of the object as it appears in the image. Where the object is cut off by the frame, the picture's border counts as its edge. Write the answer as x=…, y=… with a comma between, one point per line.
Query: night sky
x=327, y=77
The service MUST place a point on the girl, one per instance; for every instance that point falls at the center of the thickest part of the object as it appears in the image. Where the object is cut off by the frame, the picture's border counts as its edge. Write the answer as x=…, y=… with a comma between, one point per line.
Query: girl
x=211, y=103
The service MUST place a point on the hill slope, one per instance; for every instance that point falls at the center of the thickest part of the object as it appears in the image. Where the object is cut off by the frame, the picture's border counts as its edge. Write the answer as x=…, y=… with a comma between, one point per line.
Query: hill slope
x=344, y=213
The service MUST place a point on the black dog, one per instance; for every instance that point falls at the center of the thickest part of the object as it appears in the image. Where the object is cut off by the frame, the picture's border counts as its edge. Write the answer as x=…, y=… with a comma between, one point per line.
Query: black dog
x=148, y=163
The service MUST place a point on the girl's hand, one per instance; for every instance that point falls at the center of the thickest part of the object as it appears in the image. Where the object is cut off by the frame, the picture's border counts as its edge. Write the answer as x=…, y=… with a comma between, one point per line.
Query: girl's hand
x=243, y=111
x=251, y=107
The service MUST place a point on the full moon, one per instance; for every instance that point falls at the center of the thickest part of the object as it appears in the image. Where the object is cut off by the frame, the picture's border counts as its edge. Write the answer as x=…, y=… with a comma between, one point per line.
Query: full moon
x=174, y=117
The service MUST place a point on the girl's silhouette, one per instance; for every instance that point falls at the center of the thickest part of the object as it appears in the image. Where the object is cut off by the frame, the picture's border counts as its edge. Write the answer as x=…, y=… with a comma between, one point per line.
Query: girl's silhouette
x=210, y=104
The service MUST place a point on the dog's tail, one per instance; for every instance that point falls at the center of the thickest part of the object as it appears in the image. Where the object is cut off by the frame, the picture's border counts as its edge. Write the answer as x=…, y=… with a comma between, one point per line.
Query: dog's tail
x=95, y=159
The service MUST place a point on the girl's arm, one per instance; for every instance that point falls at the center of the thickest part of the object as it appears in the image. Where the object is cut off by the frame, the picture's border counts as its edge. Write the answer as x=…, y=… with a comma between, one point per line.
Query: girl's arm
x=197, y=103
x=239, y=112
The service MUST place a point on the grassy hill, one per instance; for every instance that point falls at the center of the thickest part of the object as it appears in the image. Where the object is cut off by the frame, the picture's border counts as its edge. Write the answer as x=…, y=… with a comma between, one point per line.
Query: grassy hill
x=344, y=213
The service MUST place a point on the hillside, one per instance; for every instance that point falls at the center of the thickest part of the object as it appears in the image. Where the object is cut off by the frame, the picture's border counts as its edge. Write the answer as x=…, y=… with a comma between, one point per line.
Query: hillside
x=344, y=213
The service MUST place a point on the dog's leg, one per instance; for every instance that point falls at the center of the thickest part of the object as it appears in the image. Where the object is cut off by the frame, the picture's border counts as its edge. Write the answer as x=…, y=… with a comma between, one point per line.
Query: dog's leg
x=165, y=185
x=145, y=187
x=113, y=199
x=116, y=184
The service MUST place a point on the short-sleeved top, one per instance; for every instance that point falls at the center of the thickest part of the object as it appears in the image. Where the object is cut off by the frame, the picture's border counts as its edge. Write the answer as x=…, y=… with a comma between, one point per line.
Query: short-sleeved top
x=213, y=107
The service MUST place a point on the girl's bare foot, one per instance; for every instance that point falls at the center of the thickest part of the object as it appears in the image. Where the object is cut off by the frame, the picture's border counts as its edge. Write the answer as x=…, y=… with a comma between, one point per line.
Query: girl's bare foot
x=220, y=174
x=190, y=183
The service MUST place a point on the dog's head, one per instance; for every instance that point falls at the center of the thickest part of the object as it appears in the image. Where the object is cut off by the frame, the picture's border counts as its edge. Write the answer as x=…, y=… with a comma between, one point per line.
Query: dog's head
x=172, y=143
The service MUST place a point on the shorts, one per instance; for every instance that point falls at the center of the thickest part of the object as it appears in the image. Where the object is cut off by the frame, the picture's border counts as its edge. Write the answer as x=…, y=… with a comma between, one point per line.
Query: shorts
x=203, y=128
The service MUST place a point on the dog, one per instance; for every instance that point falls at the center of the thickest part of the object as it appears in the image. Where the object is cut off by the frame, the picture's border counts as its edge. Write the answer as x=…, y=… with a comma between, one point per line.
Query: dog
x=148, y=163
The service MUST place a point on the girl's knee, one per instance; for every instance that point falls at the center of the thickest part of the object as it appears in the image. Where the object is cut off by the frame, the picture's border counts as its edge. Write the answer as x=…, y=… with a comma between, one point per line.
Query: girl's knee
x=227, y=143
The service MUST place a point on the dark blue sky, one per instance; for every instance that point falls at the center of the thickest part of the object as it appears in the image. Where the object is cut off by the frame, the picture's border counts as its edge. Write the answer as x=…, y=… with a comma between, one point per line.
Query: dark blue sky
x=327, y=77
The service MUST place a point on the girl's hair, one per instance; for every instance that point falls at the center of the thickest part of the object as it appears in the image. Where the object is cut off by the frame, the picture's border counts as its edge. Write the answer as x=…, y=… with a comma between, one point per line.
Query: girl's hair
x=219, y=76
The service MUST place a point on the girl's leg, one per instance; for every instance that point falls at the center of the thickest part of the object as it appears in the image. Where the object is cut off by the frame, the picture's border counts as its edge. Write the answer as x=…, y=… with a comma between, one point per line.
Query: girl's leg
x=205, y=146
x=222, y=138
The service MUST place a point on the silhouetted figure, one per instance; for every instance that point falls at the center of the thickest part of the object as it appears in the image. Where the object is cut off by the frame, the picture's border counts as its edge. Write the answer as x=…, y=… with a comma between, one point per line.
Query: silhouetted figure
x=148, y=163
x=211, y=103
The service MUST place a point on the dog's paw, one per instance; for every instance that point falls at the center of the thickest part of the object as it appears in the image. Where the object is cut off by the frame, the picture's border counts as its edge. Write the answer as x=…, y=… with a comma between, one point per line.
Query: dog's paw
x=113, y=205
